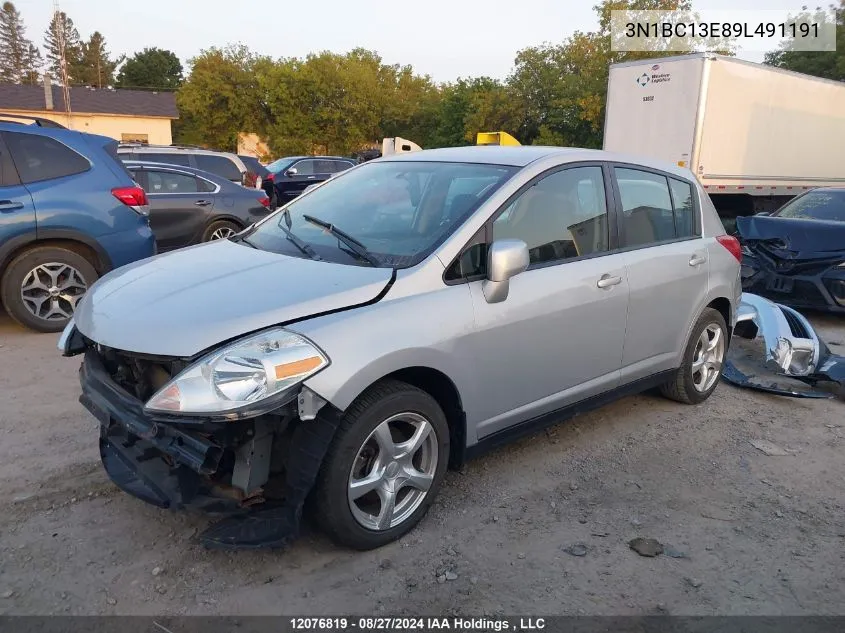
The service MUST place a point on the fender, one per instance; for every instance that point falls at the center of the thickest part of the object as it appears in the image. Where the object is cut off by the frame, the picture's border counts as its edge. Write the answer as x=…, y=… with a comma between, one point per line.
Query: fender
x=33, y=237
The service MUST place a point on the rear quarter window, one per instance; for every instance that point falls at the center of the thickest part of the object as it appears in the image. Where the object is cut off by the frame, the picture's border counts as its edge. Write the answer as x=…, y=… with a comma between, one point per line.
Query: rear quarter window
x=38, y=157
x=219, y=165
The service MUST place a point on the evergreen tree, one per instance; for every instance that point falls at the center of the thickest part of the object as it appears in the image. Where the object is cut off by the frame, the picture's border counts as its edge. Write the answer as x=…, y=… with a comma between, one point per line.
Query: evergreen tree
x=62, y=29
x=18, y=56
x=96, y=68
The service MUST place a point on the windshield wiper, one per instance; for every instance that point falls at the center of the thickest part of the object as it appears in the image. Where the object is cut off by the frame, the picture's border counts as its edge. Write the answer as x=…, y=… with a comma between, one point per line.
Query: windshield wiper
x=359, y=249
x=302, y=246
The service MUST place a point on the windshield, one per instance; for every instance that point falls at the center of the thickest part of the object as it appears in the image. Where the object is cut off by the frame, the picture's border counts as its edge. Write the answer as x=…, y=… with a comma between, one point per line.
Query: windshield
x=396, y=213
x=815, y=205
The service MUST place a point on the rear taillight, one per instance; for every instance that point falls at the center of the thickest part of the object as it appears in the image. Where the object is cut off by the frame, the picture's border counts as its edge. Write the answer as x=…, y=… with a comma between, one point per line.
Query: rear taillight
x=269, y=177
x=134, y=197
x=732, y=244
x=265, y=201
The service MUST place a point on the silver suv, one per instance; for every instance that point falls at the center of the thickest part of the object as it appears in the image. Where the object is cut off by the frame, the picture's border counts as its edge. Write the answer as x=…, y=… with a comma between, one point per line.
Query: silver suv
x=395, y=321
x=223, y=164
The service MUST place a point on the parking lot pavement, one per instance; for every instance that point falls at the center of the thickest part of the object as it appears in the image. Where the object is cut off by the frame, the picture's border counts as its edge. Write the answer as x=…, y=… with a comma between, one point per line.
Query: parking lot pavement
x=747, y=533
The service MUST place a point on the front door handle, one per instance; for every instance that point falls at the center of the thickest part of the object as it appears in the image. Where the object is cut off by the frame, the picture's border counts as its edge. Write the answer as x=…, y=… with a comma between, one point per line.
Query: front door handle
x=695, y=260
x=202, y=203
x=311, y=177
x=607, y=281
x=7, y=206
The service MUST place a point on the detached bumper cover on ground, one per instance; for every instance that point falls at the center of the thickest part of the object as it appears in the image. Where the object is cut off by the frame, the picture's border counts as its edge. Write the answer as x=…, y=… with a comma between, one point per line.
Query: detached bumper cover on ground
x=795, y=361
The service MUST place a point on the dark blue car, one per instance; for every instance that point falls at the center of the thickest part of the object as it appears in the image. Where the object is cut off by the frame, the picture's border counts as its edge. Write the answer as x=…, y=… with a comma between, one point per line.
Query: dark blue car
x=69, y=213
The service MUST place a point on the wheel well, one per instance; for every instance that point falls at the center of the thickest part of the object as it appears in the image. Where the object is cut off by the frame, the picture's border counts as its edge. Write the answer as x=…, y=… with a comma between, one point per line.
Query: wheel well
x=724, y=307
x=79, y=248
x=440, y=387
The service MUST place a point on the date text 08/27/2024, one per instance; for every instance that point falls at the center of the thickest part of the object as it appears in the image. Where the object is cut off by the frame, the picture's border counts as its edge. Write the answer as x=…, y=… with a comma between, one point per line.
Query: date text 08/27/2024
x=416, y=624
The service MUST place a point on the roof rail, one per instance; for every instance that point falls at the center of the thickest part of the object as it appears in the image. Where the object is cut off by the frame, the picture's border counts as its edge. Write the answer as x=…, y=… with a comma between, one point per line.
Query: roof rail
x=36, y=120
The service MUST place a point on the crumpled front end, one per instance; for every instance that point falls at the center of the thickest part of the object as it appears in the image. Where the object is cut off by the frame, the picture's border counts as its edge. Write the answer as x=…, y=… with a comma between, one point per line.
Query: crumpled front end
x=794, y=360
x=797, y=262
x=256, y=470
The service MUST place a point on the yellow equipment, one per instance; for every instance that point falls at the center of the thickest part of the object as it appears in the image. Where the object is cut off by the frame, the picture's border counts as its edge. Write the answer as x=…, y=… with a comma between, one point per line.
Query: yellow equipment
x=495, y=138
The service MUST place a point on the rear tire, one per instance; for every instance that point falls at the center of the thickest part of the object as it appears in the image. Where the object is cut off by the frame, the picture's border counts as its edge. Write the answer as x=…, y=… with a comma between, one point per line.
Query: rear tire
x=220, y=230
x=361, y=450
x=41, y=287
x=701, y=368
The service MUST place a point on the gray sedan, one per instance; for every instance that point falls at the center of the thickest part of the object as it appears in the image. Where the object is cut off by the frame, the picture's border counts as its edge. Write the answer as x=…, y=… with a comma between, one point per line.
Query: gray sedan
x=188, y=205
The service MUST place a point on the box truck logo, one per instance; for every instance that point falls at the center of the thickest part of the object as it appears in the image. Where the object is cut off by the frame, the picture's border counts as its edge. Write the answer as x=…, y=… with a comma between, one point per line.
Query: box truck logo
x=643, y=79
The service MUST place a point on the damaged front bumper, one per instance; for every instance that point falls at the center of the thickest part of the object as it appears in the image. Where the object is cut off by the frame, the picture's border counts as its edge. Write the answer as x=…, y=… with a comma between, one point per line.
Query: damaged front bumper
x=795, y=361
x=160, y=463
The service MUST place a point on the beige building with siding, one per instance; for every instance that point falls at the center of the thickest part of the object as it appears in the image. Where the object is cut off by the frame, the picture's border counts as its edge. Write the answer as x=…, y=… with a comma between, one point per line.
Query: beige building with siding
x=124, y=115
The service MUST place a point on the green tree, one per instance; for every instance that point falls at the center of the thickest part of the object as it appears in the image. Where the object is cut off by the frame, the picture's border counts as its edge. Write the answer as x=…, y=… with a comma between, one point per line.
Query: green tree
x=221, y=95
x=62, y=31
x=826, y=64
x=96, y=68
x=20, y=60
x=151, y=68
x=560, y=90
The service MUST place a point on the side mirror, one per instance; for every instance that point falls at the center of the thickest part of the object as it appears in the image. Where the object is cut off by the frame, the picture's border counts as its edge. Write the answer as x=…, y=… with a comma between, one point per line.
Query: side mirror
x=291, y=172
x=505, y=260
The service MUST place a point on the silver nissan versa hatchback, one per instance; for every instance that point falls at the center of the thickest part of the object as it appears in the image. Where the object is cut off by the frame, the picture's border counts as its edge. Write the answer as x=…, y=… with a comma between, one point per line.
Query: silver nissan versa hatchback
x=395, y=321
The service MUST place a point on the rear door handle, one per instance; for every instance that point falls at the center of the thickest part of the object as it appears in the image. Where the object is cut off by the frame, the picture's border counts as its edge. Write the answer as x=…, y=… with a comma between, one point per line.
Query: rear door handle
x=607, y=281
x=695, y=260
x=7, y=206
x=202, y=203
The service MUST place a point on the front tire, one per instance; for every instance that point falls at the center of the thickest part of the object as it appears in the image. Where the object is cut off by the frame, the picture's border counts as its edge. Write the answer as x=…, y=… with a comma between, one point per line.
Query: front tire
x=41, y=287
x=384, y=467
x=704, y=358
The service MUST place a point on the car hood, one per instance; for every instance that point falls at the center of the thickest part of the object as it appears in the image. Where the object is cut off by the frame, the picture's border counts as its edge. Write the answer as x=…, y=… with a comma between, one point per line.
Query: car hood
x=184, y=302
x=794, y=238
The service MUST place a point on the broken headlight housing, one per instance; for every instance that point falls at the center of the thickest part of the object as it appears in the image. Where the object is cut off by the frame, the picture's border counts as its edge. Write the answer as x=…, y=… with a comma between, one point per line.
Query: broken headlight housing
x=248, y=377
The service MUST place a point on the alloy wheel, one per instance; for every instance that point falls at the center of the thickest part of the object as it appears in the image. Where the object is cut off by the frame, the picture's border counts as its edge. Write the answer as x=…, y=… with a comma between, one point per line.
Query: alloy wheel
x=393, y=471
x=51, y=291
x=222, y=233
x=708, y=357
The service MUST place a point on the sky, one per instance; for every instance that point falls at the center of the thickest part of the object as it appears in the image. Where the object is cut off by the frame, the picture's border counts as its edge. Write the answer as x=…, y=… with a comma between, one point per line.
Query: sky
x=445, y=39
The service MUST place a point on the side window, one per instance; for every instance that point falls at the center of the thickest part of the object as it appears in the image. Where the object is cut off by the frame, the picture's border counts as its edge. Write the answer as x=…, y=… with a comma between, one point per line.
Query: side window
x=562, y=216
x=168, y=158
x=682, y=193
x=42, y=158
x=340, y=165
x=171, y=182
x=305, y=168
x=647, y=215
x=219, y=165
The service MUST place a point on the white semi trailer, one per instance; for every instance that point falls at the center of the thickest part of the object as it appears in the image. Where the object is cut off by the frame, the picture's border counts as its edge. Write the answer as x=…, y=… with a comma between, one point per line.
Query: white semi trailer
x=754, y=135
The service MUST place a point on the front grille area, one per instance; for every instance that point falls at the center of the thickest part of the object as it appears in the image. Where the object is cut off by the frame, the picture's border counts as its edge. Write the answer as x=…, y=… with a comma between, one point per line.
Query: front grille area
x=807, y=293
x=140, y=376
x=796, y=327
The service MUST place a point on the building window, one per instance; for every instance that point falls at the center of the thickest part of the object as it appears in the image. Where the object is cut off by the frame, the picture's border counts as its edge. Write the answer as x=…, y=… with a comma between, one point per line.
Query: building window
x=134, y=138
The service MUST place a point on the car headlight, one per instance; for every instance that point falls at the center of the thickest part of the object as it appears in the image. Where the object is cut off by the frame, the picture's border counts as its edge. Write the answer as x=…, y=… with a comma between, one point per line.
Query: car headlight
x=842, y=265
x=254, y=373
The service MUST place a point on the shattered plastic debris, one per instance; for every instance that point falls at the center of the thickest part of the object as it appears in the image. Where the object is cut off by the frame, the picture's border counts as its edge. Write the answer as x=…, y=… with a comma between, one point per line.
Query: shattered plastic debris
x=794, y=361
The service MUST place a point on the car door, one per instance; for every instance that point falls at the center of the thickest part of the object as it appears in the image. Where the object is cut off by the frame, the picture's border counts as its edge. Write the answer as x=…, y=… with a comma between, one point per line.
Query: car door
x=295, y=178
x=667, y=266
x=17, y=211
x=181, y=206
x=558, y=337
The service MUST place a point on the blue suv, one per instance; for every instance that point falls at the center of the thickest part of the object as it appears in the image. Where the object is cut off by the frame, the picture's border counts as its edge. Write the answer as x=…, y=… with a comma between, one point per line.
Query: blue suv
x=69, y=213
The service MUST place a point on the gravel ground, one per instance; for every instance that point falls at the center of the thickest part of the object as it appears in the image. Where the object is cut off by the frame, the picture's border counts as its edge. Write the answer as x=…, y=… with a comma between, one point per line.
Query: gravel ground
x=541, y=526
